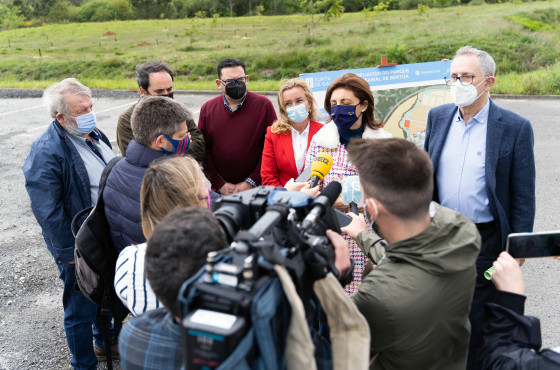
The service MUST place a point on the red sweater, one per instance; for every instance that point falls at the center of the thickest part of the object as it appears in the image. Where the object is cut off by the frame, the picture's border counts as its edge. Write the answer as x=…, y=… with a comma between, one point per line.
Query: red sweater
x=234, y=141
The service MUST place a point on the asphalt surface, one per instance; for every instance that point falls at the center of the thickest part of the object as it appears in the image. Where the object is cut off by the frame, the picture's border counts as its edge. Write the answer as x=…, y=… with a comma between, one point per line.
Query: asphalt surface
x=31, y=315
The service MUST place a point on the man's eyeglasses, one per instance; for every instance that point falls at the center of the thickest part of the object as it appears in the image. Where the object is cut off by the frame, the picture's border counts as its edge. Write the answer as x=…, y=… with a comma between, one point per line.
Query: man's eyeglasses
x=465, y=80
x=231, y=80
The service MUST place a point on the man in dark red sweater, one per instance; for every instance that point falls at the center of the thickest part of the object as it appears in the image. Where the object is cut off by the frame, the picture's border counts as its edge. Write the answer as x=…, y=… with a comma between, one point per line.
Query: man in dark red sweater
x=234, y=125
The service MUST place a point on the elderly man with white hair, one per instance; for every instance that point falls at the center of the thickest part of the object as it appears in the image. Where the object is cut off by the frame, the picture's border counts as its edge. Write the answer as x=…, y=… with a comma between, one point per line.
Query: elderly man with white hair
x=62, y=174
x=484, y=168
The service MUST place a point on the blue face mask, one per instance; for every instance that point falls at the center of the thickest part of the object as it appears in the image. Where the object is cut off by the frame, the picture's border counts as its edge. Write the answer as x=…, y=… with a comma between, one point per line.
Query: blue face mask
x=298, y=113
x=179, y=146
x=86, y=122
x=344, y=116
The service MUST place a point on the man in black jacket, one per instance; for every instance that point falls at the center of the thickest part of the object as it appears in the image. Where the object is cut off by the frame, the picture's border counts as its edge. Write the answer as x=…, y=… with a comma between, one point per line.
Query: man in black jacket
x=512, y=340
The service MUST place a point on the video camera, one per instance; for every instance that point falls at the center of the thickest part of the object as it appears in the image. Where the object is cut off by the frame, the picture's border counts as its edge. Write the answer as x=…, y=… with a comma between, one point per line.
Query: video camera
x=265, y=226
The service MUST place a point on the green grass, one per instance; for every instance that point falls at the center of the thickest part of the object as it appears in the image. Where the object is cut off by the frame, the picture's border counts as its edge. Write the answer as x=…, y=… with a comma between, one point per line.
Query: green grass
x=522, y=37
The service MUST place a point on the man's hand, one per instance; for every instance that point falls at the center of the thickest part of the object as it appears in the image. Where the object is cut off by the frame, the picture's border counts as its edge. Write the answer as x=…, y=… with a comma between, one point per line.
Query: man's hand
x=355, y=227
x=507, y=275
x=227, y=189
x=242, y=186
x=341, y=253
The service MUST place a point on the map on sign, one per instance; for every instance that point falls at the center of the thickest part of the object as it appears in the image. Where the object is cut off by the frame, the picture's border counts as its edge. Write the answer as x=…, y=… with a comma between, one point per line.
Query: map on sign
x=407, y=119
x=403, y=94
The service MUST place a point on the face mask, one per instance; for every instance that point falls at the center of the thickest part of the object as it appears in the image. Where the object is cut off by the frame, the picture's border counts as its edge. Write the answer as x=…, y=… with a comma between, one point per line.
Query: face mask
x=170, y=95
x=179, y=146
x=369, y=219
x=86, y=122
x=236, y=90
x=463, y=96
x=298, y=113
x=344, y=116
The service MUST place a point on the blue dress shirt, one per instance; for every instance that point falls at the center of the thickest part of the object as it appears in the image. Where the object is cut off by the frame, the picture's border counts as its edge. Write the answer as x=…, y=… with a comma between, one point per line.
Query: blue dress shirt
x=460, y=176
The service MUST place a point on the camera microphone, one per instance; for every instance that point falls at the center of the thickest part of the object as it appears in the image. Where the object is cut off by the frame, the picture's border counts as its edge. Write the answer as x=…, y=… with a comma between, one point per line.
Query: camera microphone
x=320, y=167
x=326, y=199
x=351, y=192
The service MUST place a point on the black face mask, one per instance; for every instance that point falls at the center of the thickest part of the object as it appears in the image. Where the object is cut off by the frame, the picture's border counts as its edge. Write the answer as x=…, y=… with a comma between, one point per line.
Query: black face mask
x=236, y=90
x=170, y=95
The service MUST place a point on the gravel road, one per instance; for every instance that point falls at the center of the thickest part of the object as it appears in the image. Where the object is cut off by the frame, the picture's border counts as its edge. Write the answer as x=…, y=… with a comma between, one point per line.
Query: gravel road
x=31, y=316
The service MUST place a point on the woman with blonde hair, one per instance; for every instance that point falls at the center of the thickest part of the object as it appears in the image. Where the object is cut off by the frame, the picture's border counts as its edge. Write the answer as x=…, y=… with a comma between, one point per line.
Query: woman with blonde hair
x=287, y=140
x=168, y=183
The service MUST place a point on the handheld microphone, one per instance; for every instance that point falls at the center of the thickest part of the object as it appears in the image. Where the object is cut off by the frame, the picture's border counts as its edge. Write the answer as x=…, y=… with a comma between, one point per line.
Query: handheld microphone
x=326, y=199
x=351, y=193
x=320, y=166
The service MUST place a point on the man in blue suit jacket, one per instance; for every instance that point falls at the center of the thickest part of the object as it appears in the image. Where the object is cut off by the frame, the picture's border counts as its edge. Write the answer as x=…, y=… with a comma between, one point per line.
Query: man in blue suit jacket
x=484, y=167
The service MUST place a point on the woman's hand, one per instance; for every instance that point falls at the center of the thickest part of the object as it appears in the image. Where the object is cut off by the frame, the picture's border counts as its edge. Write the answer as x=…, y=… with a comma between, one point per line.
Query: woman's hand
x=291, y=185
x=310, y=191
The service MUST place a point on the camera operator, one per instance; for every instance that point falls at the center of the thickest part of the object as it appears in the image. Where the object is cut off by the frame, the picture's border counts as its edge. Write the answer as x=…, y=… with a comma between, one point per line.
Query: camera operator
x=512, y=340
x=177, y=248
x=416, y=301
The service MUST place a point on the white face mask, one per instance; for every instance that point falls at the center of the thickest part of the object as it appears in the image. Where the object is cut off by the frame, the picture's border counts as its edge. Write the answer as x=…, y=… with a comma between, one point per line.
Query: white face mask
x=463, y=96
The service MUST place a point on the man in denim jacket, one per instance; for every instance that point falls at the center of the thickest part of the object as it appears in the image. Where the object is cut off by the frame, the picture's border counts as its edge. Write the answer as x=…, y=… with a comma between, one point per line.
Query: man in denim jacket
x=62, y=174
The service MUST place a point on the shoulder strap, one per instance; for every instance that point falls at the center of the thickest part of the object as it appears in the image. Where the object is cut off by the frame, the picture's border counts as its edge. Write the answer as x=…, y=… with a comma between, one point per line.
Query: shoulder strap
x=105, y=173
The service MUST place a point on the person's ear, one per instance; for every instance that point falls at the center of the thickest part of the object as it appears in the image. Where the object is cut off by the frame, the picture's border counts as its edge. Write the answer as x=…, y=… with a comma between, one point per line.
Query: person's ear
x=143, y=92
x=160, y=141
x=61, y=118
x=218, y=83
x=490, y=80
x=364, y=105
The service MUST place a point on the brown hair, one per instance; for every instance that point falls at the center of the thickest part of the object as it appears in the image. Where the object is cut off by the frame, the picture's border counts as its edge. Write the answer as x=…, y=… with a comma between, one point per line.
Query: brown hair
x=283, y=125
x=174, y=181
x=360, y=88
x=395, y=172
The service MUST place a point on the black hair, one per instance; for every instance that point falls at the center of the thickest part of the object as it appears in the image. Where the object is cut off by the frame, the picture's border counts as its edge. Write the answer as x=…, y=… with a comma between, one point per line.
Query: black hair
x=143, y=72
x=228, y=63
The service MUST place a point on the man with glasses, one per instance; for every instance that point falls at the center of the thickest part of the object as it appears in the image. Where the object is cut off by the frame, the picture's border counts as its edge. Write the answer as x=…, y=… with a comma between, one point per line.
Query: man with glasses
x=234, y=126
x=484, y=167
x=156, y=79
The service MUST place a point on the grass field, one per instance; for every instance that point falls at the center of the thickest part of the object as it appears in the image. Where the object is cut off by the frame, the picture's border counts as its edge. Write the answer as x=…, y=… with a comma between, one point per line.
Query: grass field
x=524, y=38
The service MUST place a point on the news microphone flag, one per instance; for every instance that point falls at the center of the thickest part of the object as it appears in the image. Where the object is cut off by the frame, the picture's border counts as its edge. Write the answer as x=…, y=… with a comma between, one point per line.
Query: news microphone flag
x=320, y=167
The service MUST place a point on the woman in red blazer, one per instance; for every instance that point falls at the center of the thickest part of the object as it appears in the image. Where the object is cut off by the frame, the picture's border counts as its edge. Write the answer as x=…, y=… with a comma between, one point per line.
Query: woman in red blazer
x=287, y=140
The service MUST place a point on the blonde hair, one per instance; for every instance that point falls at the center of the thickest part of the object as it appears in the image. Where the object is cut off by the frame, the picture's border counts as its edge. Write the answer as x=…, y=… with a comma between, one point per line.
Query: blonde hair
x=168, y=183
x=283, y=125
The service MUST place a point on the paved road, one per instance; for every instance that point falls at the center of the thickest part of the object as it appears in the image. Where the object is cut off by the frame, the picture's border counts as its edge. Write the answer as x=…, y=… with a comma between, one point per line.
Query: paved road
x=31, y=332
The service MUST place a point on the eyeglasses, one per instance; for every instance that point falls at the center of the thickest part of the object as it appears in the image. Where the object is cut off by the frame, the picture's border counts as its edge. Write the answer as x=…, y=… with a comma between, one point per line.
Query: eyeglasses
x=465, y=80
x=240, y=80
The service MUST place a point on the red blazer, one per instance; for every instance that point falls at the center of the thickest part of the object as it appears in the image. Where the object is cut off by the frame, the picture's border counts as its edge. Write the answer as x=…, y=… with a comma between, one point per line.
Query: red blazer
x=278, y=161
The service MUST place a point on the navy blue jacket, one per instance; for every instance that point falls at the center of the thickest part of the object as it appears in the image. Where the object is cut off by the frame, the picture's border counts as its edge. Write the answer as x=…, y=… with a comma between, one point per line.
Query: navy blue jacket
x=509, y=164
x=122, y=195
x=513, y=341
x=58, y=185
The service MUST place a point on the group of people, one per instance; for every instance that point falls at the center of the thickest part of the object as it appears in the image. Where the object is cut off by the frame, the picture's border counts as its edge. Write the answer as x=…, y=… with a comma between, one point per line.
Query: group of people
x=424, y=296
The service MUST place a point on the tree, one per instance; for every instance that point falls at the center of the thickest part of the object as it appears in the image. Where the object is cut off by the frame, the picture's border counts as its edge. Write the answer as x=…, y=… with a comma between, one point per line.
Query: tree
x=10, y=17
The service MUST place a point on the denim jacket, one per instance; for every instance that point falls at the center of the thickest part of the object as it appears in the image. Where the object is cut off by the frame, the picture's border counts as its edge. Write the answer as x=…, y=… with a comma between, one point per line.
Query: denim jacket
x=58, y=185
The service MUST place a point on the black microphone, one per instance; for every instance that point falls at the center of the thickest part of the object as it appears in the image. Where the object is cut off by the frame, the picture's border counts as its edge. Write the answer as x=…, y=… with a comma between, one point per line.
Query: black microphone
x=326, y=199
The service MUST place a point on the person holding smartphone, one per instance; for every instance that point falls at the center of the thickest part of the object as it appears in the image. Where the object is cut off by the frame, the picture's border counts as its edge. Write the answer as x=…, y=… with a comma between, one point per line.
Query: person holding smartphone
x=511, y=339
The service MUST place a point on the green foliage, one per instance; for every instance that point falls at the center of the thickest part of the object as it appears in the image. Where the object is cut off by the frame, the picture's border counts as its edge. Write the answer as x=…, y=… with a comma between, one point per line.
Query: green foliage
x=61, y=11
x=260, y=10
x=10, y=16
x=283, y=46
x=423, y=9
x=441, y=3
x=397, y=54
x=97, y=11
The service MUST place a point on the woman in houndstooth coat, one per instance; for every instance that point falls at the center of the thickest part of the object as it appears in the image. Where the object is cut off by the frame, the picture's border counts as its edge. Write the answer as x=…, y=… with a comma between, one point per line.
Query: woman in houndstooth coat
x=350, y=104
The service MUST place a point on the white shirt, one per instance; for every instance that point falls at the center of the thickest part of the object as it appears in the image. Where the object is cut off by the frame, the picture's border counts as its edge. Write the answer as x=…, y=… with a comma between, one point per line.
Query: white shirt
x=131, y=285
x=299, y=143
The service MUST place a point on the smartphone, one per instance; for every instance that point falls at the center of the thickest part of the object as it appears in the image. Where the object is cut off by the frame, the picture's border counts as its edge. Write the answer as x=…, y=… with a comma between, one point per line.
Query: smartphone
x=533, y=245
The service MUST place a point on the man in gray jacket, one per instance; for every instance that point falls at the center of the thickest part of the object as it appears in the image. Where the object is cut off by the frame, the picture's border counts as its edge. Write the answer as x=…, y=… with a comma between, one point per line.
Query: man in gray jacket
x=416, y=301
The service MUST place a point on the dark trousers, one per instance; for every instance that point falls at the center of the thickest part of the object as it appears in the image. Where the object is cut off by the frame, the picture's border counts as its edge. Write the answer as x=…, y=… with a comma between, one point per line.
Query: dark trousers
x=484, y=291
